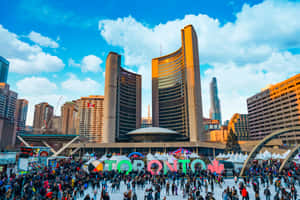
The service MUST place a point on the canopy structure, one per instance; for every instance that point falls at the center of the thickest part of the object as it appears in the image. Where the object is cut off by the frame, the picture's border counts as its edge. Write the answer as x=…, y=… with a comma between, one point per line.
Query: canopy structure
x=135, y=154
x=51, y=140
x=155, y=134
x=181, y=151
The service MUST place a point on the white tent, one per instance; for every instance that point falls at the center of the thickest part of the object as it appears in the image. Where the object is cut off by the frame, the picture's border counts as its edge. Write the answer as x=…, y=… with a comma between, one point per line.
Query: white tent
x=150, y=157
x=117, y=159
x=157, y=156
x=103, y=158
x=194, y=155
x=171, y=159
x=220, y=155
x=164, y=156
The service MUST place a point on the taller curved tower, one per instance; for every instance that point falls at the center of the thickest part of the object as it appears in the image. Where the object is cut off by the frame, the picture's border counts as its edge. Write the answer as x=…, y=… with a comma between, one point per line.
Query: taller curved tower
x=176, y=89
x=122, y=100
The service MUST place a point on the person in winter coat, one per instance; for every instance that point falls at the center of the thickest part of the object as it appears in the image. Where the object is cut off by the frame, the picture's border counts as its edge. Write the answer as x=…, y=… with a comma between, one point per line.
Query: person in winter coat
x=267, y=193
x=87, y=197
x=245, y=195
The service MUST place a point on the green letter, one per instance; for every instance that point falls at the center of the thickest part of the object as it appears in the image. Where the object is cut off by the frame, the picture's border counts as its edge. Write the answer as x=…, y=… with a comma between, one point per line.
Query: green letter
x=184, y=162
x=124, y=162
x=110, y=162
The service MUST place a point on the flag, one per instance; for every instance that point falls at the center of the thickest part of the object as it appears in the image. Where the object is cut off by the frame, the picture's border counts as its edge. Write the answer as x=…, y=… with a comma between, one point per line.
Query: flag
x=91, y=105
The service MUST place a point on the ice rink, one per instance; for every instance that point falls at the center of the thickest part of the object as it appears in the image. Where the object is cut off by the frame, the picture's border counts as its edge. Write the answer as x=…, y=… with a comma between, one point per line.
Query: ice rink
x=118, y=195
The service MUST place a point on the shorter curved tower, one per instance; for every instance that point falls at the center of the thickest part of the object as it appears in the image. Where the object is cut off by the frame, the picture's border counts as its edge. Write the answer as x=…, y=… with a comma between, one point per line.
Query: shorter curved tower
x=122, y=102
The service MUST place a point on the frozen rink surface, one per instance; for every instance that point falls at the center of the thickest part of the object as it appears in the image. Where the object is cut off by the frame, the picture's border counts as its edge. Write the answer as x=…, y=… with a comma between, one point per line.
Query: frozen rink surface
x=118, y=195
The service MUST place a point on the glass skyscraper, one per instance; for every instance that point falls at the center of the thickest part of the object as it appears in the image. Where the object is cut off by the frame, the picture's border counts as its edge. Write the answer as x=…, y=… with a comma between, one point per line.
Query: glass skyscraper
x=215, y=108
x=20, y=115
x=3, y=69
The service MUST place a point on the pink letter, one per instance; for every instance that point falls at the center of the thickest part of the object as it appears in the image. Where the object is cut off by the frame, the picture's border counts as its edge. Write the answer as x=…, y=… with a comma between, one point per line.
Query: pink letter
x=151, y=163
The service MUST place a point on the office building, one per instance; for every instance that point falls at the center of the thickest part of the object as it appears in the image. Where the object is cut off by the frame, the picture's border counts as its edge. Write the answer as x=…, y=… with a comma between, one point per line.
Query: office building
x=219, y=135
x=176, y=89
x=215, y=108
x=21, y=115
x=226, y=122
x=122, y=101
x=55, y=125
x=4, y=64
x=8, y=101
x=69, y=113
x=90, y=118
x=239, y=125
x=211, y=124
x=274, y=108
x=43, y=113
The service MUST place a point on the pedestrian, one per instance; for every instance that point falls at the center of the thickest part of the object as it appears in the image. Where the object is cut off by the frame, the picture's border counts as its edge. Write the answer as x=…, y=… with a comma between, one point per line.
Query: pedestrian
x=267, y=193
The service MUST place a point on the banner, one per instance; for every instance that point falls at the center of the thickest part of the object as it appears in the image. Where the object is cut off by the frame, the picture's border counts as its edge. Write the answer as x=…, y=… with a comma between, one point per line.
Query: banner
x=7, y=158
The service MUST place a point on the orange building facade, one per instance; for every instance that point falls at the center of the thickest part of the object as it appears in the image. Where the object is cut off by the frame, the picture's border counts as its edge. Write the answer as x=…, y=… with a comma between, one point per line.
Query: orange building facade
x=90, y=119
x=219, y=135
x=239, y=125
x=276, y=107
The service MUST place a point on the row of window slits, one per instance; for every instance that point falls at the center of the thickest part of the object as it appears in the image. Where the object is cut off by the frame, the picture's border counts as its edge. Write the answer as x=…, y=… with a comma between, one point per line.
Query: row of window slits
x=127, y=112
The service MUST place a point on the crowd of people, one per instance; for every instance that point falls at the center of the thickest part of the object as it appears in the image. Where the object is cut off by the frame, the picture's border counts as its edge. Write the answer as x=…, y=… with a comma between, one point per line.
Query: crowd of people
x=69, y=181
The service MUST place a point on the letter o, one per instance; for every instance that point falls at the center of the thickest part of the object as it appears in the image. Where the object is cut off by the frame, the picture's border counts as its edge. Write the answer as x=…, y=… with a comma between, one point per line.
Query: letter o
x=124, y=162
x=151, y=163
x=197, y=161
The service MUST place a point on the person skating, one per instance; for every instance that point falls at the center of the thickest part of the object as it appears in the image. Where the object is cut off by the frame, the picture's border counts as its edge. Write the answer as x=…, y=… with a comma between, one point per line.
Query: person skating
x=267, y=193
x=245, y=195
x=87, y=197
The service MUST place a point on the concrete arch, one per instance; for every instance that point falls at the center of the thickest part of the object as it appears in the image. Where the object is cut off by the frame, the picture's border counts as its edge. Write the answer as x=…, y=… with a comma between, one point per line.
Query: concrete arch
x=267, y=139
x=290, y=156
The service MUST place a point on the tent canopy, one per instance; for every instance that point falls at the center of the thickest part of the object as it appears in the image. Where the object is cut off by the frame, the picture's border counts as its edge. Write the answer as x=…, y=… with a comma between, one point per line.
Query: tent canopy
x=135, y=154
x=181, y=151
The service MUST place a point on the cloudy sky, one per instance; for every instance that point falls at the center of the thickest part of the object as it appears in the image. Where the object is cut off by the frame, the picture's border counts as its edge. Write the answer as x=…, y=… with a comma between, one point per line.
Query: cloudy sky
x=57, y=49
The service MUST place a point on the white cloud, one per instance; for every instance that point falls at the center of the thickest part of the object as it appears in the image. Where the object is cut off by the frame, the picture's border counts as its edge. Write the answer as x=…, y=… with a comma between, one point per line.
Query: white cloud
x=41, y=62
x=35, y=85
x=55, y=100
x=81, y=87
x=37, y=90
x=90, y=63
x=237, y=83
x=42, y=40
x=259, y=37
x=25, y=58
x=40, y=89
x=257, y=32
x=72, y=62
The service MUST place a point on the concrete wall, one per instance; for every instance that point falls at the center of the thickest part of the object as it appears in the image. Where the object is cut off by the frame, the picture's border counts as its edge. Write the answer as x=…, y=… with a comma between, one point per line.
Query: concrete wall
x=110, y=93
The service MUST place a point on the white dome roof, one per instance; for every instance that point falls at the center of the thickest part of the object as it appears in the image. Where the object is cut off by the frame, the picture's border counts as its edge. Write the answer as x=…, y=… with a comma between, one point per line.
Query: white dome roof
x=152, y=130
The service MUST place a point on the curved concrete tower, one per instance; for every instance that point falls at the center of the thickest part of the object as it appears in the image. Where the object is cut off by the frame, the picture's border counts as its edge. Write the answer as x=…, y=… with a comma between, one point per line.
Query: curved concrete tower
x=122, y=100
x=176, y=89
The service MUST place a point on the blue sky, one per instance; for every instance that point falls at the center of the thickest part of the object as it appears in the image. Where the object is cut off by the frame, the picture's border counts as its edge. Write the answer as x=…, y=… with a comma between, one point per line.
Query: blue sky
x=57, y=49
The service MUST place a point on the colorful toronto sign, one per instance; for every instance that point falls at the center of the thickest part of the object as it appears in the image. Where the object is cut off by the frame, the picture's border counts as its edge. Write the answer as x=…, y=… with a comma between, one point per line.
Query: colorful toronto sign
x=156, y=167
